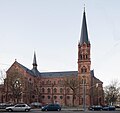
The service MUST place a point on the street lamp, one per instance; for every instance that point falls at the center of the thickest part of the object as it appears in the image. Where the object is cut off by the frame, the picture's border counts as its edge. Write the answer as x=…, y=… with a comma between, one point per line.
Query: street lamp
x=97, y=93
x=84, y=94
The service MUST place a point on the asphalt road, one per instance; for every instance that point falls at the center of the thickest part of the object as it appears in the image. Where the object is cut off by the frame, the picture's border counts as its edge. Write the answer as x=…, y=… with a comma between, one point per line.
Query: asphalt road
x=63, y=111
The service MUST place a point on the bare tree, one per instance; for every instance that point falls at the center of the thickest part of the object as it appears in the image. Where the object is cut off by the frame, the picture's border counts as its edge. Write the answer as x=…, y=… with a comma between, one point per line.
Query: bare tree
x=112, y=92
x=14, y=84
x=73, y=84
x=37, y=88
x=2, y=76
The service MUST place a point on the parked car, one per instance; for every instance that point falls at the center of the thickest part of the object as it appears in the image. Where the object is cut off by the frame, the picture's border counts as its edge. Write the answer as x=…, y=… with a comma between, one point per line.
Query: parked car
x=51, y=107
x=36, y=105
x=19, y=107
x=109, y=108
x=95, y=108
x=4, y=105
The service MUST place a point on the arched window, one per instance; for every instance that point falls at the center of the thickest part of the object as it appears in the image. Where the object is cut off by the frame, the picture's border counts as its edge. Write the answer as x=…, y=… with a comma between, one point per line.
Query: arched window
x=61, y=90
x=61, y=97
x=55, y=90
x=48, y=90
x=68, y=97
x=54, y=82
x=80, y=56
x=55, y=97
x=43, y=97
x=83, y=69
x=42, y=82
x=48, y=97
x=83, y=81
x=60, y=82
x=43, y=90
x=48, y=82
x=86, y=56
x=33, y=96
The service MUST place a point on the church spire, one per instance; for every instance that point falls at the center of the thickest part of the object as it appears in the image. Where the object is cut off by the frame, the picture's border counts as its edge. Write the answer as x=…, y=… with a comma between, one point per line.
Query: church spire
x=84, y=32
x=34, y=69
x=34, y=61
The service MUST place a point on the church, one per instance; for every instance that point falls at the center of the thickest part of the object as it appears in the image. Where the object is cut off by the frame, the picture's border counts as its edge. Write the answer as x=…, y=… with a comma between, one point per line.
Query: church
x=68, y=88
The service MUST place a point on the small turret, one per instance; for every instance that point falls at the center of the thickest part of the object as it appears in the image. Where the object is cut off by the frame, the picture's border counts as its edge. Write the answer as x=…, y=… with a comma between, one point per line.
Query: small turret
x=34, y=61
x=34, y=69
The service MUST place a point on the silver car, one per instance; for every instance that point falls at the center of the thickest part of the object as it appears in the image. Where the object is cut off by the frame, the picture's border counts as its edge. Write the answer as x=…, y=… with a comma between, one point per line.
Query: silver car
x=19, y=107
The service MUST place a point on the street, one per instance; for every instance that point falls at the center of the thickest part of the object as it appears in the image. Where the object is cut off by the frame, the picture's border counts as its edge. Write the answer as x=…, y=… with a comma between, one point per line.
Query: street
x=63, y=111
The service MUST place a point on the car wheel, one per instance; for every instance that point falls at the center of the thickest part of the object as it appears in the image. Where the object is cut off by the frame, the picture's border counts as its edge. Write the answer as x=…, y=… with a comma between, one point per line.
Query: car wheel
x=27, y=110
x=9, y=110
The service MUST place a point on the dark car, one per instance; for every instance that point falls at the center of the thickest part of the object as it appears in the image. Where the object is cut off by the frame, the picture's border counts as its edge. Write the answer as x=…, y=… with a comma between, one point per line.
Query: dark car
x=51, y=107
x=108, y=108
x=95, y=108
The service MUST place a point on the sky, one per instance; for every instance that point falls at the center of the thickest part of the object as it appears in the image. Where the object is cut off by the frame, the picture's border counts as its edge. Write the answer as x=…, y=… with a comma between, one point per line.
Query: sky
x=52, y=29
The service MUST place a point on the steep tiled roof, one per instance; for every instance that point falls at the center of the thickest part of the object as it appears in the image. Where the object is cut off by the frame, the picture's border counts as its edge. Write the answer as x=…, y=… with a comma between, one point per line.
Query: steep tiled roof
x=54, y=74
x=31, y=72
x=59, y=74
x=34, y=72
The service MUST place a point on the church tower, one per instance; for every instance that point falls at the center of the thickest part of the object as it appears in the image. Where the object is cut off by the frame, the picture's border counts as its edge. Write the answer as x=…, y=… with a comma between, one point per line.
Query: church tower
x=84, y=62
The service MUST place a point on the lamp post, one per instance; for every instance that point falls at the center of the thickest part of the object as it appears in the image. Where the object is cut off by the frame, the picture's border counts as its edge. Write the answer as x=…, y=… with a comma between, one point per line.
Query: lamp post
x=84, y=94
x=97, y=93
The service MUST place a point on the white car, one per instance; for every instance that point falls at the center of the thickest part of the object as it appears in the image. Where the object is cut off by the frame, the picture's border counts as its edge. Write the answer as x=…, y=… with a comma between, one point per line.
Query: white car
x=19, y=107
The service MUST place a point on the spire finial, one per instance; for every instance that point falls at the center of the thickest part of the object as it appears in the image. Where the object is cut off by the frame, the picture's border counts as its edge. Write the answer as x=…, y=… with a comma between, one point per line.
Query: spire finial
x=84, y=33
x=84, y=7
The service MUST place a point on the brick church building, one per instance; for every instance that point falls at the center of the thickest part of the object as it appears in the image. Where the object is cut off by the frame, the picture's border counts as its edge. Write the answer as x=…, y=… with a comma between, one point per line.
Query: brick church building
x=66, y=88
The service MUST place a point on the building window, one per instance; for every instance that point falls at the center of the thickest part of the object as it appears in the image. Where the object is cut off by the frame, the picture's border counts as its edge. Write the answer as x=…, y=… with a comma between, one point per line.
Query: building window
x=61, y=90
x=48, y=90
x=48, y=97
x=33, y=96
x=55, y=90
x=80, y=57
x=43, y=97
x=59, y=82
x=68, y=97
x=54, y=82
x=48, y=82
x=61, y=97
x=86, y=56
x=29, y=79
x=42, y=82
x=84, y=80
x=55, y=97
x=43, y=90
x=83, y=69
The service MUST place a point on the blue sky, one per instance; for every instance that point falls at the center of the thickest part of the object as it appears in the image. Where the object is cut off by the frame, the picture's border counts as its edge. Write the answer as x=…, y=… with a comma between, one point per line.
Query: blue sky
x=52, y=29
